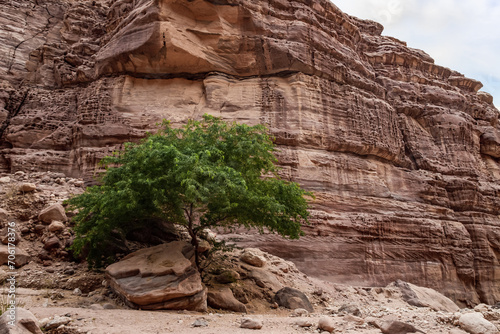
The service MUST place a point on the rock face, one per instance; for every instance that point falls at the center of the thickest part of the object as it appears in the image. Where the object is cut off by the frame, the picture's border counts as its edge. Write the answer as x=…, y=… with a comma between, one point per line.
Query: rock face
x=160, y=277
x=402, y=154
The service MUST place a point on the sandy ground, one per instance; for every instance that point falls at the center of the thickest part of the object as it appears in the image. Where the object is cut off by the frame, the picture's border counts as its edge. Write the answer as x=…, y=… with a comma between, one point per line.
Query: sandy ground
x=275, y=321
x=149, y=322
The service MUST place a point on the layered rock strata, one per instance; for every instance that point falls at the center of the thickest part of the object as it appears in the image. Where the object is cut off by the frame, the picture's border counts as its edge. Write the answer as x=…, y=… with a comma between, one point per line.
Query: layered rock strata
x=160, y=277
x=402, y=154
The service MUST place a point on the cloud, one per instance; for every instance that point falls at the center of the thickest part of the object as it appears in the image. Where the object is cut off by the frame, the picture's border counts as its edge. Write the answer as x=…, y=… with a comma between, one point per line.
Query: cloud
x=460, y=34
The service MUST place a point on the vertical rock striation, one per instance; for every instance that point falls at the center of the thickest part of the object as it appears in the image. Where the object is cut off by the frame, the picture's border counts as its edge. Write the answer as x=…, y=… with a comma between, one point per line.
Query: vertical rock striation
x=402, y=154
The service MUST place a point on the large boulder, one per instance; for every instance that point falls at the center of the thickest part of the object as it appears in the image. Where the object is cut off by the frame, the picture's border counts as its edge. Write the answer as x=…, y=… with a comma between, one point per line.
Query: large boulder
x=293, y=299
x=159, y=277
x=475, y=323
x=425, y=297
x=397, y=327
x=223, y=298
x=265, y=279
x=53, y=212
x=20, y=321
x=17, y=255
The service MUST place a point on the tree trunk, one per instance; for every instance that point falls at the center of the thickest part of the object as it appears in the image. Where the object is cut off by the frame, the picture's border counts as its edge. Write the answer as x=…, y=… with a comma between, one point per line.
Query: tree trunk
x=195, y=243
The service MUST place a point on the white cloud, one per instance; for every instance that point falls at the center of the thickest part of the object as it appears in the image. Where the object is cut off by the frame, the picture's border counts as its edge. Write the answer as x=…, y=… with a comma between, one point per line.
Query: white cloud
x=460, y=34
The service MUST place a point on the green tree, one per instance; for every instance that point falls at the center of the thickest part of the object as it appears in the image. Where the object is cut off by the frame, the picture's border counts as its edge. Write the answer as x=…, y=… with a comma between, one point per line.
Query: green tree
x=205, y=174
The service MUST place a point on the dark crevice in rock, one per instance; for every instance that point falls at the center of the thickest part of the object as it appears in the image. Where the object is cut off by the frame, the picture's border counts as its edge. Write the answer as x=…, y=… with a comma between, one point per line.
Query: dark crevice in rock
x=13, y=108
x=44, y=29
x=204, y=75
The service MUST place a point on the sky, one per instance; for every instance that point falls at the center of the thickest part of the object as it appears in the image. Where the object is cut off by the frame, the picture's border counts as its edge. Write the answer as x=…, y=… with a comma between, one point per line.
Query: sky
x=463, y=35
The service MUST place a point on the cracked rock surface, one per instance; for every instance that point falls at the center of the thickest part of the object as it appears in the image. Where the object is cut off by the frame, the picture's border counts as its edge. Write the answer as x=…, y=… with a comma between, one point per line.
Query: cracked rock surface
x=401, y=153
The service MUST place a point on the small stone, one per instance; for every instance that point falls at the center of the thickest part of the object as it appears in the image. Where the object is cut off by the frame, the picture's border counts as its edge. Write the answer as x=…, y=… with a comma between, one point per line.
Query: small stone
x=27, y=187
x=354, y=319
x=96, y=307
x=208, y=234
x=350, y=309
x=3, y=215
x=252, y=257
x=204, y=246
x=397, y=327
x=200, y=322
x=43, y=322
x=56, y=295
x=8, y=238
x=56, y=226
x=69, y=271
x=481, y=308
x=303, y=322
x=39, y=228
x=79, y=183
x=77, y=292
x=52, y=243
x=326, y=324
x=251, y=323
x=456, y=331
x=57, y=321
x=300, y=312
x=5, y=179
x=44, y=255
x=108, y=306
x=228, y=276
x=47, y=263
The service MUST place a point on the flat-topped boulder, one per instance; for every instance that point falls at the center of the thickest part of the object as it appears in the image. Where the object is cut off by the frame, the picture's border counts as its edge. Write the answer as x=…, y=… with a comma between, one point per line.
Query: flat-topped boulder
x=160, y=277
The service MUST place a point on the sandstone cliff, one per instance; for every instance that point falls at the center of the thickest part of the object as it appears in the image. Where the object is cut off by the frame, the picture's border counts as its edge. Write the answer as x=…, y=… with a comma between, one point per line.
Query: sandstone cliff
x=403, y=154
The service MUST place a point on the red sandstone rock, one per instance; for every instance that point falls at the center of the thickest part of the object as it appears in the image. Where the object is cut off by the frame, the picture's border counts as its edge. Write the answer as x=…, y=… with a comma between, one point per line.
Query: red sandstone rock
x=160, y=277
x=223, y=298
x=401, y=153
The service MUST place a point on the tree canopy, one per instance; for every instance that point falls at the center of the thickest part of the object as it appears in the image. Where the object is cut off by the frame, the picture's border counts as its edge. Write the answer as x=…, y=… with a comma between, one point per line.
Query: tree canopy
x=208, y=173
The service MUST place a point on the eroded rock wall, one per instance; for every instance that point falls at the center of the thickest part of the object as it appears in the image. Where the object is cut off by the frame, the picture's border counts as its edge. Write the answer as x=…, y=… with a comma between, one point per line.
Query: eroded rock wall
x=402, y=154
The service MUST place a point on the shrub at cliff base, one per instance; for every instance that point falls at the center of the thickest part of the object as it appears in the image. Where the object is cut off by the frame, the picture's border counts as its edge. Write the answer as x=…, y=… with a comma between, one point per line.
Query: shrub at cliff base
x=206, y=174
